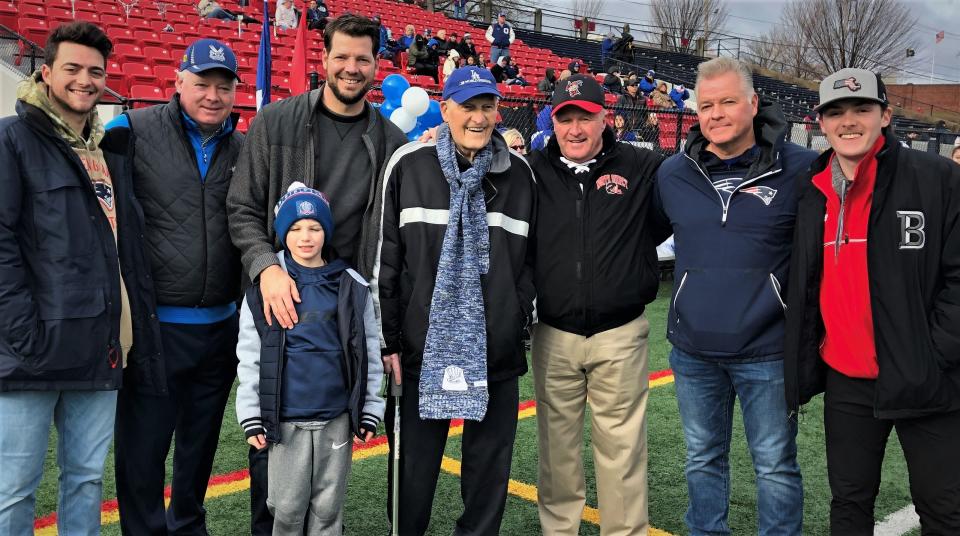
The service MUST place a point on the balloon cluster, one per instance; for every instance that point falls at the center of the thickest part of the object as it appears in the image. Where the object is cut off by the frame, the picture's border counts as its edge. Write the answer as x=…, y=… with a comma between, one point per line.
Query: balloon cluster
x=410, y=108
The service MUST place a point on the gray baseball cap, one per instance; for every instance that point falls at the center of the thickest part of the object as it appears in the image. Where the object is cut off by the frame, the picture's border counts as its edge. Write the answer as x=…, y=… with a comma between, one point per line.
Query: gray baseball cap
x=851, y=83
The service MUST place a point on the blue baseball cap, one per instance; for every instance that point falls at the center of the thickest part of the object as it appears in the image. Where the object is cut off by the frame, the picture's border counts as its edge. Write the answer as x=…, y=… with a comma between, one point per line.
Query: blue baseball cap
x=467, y=82
x=206, y=54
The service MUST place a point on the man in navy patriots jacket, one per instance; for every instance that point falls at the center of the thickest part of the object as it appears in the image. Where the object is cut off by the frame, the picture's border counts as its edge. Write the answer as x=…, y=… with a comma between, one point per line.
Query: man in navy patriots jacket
x=729, y=199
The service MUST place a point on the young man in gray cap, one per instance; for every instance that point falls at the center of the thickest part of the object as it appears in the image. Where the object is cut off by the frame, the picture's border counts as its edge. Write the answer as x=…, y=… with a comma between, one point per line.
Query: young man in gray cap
x=873, y=309
x=453, y=283
x=183, y=157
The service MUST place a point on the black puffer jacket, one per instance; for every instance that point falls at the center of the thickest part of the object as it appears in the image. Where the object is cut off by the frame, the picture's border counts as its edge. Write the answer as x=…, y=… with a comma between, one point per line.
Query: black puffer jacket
x=60, y=267
x=194, y=262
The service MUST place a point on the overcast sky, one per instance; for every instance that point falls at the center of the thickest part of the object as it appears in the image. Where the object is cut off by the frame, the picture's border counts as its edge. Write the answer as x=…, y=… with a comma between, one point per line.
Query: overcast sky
x=752, y=18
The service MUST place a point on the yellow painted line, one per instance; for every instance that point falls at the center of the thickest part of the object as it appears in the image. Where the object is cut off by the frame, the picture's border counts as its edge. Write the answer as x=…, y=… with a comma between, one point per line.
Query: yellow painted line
x=528, y=493
x=661, y=381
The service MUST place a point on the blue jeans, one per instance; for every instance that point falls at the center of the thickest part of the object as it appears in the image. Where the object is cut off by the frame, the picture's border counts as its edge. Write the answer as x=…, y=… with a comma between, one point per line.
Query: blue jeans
x=706, y=392
x=84, y=421
x=459, y=12
x=496, y=52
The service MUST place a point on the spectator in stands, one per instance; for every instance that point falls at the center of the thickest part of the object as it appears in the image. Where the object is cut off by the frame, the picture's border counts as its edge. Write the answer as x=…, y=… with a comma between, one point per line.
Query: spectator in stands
x=419, y=58
x=728, y=342
x=453, y=41
x=549, y=80
x=499, y=71
x=661, y=97
x=210, y=9
x=679, y=94
x=348, y=171
x=471, y=61
x=285, y=17
x=514, y=140
x=466, y=48
x=70, y=302
x=438, y=314
x=500, y=35
x=650, y=131
x=317, y=15
x=564, y=74
x=443, y=45
x=612, y=81
x=939, y=135
x=631, y=101
x=460, y=9
x=955, y=154
x=872, y=318
x=623, y=49
x=601, y=356
x=185, y=152
x=408, y=37
x=451, y=63
x=574, y=67
x=512, y=71
x=483, y=62
x=544, y=132
x=388, y=47
x=606, y=47
x=622, y=129
x=648, y=84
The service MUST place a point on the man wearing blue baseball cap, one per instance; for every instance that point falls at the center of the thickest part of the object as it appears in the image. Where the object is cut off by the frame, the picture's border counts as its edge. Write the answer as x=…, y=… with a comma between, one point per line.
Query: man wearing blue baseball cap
x=183, y=157
x=453, y=282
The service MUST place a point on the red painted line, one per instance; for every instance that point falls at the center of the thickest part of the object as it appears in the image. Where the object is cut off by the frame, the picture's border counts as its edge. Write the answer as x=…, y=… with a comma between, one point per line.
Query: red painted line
x=110, y=505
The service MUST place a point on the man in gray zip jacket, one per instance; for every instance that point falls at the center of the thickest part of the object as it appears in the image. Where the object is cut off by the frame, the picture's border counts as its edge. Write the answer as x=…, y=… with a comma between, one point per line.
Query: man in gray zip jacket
x=332, y=140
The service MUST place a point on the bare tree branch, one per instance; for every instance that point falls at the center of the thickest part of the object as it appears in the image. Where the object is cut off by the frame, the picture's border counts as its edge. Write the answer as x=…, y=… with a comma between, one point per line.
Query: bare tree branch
x=588, y=8
x=828, y=35
x=684, y=21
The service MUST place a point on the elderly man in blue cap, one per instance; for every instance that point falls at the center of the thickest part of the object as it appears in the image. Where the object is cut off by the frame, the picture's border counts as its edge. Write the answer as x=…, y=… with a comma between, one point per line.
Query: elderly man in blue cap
x=184, y=154
x=453, y=284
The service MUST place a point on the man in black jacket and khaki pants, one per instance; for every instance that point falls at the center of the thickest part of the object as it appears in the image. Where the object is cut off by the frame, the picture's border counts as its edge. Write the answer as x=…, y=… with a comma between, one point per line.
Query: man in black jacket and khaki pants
x=873, y=310
x=595, y=271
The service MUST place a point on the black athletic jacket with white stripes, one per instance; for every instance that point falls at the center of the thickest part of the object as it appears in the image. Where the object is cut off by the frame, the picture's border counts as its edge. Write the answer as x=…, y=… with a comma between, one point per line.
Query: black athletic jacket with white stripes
x=416, y=205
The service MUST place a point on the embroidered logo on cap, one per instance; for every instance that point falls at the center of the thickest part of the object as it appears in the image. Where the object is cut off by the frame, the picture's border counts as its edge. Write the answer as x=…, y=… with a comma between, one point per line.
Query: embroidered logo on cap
x=216, y=54
x=849, y=83
x=573, y=88
x=306, y=208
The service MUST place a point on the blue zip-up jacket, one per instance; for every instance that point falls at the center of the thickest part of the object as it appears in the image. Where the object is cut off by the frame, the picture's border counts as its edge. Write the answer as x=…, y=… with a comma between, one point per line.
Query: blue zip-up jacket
x=732, y=251
x=679, y=96
x=500, y=33
x=544, y=129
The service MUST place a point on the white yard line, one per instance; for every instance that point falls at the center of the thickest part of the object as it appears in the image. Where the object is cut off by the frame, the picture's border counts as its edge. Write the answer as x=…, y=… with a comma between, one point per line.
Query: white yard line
x=900, y=522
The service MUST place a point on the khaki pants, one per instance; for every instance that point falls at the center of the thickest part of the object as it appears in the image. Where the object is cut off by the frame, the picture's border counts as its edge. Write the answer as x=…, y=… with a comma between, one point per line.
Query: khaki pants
x=608, y=370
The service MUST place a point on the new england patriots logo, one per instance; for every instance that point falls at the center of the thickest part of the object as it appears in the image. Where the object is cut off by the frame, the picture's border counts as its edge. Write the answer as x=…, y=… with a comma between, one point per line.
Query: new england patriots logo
x=104, y=193
x=573, y=88
x=764, y=193
x=849, y=83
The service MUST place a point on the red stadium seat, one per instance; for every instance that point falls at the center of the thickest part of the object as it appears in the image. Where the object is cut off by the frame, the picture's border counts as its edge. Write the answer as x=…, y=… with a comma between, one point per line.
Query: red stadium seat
x=128, y=53
x=8, y=14
x=160, y=56
x=121, y=37
x=150, y=93
x=138, y=73
x=148, y=38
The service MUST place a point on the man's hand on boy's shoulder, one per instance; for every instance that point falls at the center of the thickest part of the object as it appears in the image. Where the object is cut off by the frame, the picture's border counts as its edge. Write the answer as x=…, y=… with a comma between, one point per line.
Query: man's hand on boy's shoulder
x=279, y=294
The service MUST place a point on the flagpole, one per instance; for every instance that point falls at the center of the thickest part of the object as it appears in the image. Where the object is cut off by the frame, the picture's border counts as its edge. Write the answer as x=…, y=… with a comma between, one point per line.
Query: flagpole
x=933, y=62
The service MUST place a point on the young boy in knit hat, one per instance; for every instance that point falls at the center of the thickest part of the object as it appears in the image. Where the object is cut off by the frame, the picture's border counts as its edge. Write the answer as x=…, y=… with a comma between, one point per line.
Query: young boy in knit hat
x=304, y=391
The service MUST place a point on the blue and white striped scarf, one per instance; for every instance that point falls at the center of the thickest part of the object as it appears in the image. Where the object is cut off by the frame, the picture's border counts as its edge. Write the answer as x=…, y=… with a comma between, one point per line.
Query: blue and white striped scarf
x=453, y=377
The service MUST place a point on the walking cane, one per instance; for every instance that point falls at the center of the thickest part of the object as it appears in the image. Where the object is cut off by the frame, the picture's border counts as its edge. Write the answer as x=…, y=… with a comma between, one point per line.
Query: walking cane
x=396, y=391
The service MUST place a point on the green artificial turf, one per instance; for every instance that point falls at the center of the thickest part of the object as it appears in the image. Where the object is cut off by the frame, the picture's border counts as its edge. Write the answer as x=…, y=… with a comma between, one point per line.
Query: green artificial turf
x=366, y=513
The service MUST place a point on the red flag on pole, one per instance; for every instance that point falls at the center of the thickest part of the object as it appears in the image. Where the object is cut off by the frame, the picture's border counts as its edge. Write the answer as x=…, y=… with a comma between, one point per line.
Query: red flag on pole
x=939, y=36
x=298, y=73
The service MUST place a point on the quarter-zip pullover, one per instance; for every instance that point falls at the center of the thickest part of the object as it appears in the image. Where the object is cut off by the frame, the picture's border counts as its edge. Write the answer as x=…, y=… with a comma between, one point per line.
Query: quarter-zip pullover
x=848, y=345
